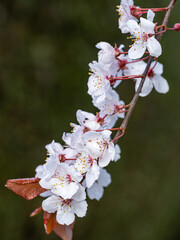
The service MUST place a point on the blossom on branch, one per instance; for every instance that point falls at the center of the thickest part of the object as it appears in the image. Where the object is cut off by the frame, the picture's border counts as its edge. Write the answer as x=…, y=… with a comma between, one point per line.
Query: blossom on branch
x=144, y=38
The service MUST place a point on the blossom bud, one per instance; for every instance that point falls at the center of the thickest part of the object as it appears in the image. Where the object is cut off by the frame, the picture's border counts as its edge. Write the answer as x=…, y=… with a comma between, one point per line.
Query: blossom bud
x=177, y=26
x=135, y=11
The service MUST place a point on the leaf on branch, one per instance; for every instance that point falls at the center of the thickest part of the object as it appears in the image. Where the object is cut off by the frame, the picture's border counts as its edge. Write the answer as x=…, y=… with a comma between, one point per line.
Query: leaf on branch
x=36, y=211
x=49, y=221
x=27, y=188
x=64, y=231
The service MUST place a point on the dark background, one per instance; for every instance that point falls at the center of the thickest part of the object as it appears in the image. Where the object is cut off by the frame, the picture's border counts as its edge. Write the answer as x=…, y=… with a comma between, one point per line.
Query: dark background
x=45, y=48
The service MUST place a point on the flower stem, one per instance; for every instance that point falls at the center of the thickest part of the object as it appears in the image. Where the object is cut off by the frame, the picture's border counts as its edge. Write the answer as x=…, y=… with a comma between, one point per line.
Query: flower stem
x=142, y=59
x=154, y=9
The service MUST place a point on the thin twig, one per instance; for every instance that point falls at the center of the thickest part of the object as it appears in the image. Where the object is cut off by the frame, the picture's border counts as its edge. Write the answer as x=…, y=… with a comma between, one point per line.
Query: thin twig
x=136, y=95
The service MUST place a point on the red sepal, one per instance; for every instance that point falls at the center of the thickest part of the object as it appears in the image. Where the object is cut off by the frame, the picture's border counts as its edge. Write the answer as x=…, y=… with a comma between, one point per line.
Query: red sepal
x=36, y=211
x=64, y=231
x=27, y=188
x=49, y=221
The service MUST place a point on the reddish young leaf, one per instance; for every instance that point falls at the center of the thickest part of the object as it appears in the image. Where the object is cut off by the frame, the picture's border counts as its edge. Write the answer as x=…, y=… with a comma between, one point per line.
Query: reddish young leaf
x=36, y=211
x=64, y=231
x=49, y=221
x=27, y=188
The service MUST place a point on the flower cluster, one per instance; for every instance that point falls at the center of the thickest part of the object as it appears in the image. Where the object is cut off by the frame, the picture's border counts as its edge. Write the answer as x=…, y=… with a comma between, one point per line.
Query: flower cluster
x=77, y=168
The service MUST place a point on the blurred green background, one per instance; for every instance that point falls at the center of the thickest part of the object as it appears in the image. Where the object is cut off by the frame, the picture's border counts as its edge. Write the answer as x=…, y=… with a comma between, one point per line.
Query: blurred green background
x=45, y=48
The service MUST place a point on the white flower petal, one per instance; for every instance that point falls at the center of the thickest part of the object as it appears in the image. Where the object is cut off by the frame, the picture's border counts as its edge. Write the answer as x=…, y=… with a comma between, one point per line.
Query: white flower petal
x=134, y=28
x=51, y=204
x=160, y=84
x=92, y=174
x=137, y=50
x=117, y=153
x=95, y=192
x=147, y=26
x=154, y=47
x=106, y=134
x=79, y=208
x=104, y=178
x=104, y=159
x=82, y=115
x=158, y=68
x=65, y=216
x=150, y=15
x=147, y=87
x=80, y=195
x=46, y=194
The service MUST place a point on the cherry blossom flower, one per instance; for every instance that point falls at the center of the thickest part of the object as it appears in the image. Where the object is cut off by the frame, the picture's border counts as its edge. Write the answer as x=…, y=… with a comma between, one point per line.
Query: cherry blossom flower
x=98, y=84
x=97, y=189
x=107, y=58
x=99, y=145
x=89, y=121
x=67, y=208
x=87, y=165
x=64, y=181
x=125, y=15
x=111, y=107
x=154, y=79
x=57, y=154
x=144, y=38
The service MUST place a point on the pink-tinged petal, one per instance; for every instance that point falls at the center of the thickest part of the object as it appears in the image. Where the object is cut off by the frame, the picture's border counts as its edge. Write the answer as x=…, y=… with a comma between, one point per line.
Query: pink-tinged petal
x=160, y=84
x=49, y=221
x=27, y=188
x=80, y=208
x=154, y=47
x=65, y=232
x=147, y=87
x=147, y=26
x=137, y=50
x=36, y=211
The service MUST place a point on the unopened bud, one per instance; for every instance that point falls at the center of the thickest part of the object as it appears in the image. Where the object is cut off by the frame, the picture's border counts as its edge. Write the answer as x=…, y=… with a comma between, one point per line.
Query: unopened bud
x=177, y=26
x=136, y=11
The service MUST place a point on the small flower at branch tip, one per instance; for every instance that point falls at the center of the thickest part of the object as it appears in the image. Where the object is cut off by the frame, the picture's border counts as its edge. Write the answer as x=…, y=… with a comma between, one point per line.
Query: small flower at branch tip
x=143, y=39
